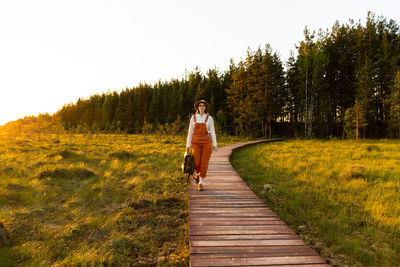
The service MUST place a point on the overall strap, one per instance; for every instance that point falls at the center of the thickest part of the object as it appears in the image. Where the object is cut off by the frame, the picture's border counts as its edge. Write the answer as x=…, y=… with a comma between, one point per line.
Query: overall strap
x=207, y=117
x=194, y=117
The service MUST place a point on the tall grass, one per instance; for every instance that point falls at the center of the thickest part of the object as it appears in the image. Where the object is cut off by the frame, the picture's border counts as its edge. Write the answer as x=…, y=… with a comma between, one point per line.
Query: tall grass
x=341, y=197
x=111, y=200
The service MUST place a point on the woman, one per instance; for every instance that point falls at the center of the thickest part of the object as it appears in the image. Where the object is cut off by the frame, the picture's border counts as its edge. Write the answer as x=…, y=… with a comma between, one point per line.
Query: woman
x=201, y=133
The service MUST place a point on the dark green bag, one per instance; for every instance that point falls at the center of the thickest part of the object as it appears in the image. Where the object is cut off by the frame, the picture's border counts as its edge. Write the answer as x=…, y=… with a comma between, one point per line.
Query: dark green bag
x=188, y=165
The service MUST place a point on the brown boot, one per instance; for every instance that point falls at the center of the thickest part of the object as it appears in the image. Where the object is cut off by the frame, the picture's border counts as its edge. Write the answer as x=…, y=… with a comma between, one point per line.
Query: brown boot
x=200, y=187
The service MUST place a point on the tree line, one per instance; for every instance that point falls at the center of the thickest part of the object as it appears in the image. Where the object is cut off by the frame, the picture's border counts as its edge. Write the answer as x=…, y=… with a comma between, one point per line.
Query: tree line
x=342, y=82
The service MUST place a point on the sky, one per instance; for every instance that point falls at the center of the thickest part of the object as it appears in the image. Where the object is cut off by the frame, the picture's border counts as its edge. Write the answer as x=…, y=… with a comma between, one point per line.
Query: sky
x=53, y=52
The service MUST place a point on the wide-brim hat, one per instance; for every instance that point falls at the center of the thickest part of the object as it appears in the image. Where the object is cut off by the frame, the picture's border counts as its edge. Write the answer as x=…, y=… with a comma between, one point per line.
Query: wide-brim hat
x=196, y=105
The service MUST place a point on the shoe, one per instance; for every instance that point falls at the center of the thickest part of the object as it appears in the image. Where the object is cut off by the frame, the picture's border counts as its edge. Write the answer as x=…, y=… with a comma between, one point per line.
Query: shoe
x=200, y=187
x=196, y=178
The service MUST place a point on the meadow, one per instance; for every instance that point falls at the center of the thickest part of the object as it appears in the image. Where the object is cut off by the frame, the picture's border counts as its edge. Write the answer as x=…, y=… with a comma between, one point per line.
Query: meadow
x=342, y=197
x=94, y=200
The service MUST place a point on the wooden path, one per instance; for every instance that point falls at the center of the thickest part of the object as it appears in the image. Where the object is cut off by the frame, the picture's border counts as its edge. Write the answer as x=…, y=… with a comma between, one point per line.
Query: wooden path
x=231, y=226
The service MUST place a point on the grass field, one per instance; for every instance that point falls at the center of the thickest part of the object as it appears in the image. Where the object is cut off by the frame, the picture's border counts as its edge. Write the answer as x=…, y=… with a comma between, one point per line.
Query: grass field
x=110, y=200
x=341, y=197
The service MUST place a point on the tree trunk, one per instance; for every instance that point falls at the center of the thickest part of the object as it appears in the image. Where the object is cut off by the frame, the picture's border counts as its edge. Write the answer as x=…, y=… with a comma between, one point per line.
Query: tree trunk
x=356, y=125
x=310, y=119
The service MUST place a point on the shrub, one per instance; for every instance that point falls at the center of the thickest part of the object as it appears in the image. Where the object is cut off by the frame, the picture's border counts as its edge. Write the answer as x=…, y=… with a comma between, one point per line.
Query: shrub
x=354, y=171
x=67, y=173
x=4, y=235
x=121, y=154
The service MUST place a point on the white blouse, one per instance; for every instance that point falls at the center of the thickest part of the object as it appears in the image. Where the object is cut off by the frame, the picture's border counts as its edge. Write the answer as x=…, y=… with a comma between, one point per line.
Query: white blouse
x=209, y=124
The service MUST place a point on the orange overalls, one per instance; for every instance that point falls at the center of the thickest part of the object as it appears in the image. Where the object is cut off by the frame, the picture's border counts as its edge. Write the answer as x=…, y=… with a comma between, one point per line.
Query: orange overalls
x=201, y=144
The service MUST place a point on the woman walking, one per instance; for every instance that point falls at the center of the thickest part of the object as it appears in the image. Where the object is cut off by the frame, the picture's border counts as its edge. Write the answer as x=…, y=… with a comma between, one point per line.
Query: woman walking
x=200, y=134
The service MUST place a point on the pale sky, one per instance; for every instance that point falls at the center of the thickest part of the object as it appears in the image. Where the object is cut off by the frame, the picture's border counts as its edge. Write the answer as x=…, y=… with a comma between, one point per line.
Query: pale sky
x=53, y=52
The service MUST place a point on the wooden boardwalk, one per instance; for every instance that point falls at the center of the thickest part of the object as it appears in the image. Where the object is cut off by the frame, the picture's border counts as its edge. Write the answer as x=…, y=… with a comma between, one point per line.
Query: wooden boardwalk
x=230, y=226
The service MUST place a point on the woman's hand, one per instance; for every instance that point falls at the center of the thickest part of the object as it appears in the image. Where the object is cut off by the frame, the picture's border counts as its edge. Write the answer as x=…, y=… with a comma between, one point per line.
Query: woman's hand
x=188, y=150
x=215, y=148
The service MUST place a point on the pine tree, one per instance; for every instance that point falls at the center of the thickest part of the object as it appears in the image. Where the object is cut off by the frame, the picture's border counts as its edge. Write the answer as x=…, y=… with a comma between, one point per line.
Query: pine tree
x=355, y=119
x=394, y=105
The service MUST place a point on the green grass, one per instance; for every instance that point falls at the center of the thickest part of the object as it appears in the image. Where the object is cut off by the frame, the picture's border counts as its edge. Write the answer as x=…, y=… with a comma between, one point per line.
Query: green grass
x=341, y=197
x=110, y=200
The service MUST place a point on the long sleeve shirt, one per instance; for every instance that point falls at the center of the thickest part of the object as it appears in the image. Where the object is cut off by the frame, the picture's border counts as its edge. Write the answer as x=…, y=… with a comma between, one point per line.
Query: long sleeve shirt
x=209, y=124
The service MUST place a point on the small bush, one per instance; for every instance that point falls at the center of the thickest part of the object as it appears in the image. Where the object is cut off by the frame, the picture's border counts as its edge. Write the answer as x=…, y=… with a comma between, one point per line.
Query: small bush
x=124, y=245
x=139, y=204
x=4, y=235
x=38, y=164
x=129, y=221
x=121, y=154
x=15, y=187
x=169, y=202
x=65, y=154
x=372, y=148
x=67, y=173
x=8, y=170
x=354, y=171
x=25, y=150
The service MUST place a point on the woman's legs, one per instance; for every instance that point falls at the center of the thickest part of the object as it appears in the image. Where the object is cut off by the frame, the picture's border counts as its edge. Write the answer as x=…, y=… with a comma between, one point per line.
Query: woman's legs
x=201, y=154
x=204, y=159
x=197, y=156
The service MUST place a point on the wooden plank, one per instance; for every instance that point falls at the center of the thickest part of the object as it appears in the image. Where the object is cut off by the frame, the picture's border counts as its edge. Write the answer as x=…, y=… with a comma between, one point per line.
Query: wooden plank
x=233, y=184
x=228, y=209
x=228, y=216
x=224, y=187
x=240, y=232
x=240, y=227
x=268, y=250
x=269, y=253
x=223, y=196
x=234, y=223
x=220, y=198
x=232, y=243
x=227, y=201
x=267, y=261
x=234, y=202
x=231, y=212
x=234, y=219
x=202, y=204
x=226, y=192
x=214, y=175
x=199, y=206
x=245, y=237
x=247, y=255
x=218, y=193
x=232, y=216
x=247, y=206
x=226, y=205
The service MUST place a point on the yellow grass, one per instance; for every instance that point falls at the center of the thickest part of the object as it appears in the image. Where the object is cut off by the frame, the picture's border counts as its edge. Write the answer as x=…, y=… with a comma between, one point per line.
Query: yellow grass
x=341, y=196
x=116, y=200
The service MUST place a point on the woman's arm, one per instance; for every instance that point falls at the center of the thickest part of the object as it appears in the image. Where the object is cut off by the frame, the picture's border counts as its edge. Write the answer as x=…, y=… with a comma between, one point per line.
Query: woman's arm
x=212, y=132
x=190, y=134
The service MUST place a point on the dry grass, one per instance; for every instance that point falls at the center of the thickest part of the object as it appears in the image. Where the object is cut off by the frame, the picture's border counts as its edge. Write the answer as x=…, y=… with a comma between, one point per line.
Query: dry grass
x=113, y=200
x=342, y=197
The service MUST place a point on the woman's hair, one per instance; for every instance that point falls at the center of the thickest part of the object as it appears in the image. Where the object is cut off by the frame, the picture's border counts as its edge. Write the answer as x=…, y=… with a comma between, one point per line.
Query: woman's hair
x=197, y=110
